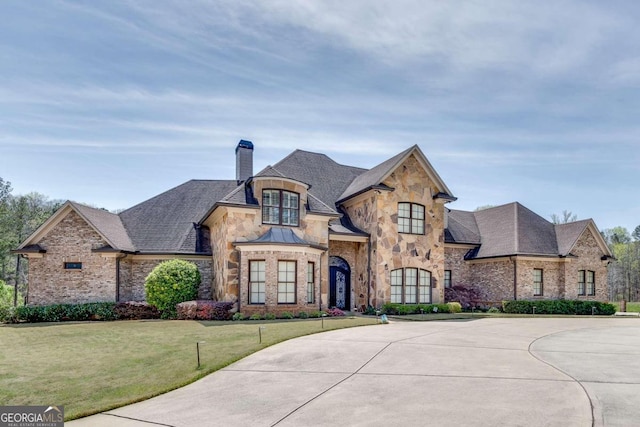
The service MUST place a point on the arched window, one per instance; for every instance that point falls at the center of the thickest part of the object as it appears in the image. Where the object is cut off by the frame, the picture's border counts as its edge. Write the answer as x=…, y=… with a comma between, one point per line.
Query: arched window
x=410, y=286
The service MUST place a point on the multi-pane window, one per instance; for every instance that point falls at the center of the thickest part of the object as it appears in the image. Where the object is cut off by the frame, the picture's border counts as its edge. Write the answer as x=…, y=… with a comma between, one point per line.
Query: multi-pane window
x=256, y=282
x=410, y=286
x=286, y=282
x=410, y=218
x=538, y=286
x=591, y=282
x=280, y=207
x=586, y=282
x=447, y=278
x=310, y=282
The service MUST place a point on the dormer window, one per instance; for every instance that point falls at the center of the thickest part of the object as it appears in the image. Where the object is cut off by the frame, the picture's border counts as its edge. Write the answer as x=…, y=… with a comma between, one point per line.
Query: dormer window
x=280, y=207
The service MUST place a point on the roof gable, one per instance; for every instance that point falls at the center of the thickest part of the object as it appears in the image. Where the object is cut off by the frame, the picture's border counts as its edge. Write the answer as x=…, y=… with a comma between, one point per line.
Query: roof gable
x=108, y=225
x=375, y=176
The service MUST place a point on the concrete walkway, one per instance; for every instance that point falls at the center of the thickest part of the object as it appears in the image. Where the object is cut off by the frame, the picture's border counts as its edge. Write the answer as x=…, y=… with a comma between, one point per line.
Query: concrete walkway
x=486, y=372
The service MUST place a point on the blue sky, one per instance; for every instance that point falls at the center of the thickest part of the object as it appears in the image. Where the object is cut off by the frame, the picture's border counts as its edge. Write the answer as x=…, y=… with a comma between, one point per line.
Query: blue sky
x=112, y=102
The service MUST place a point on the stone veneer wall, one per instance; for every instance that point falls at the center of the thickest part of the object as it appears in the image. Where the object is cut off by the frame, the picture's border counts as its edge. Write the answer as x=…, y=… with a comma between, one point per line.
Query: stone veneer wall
x=271, y=259
x=71, y=240
x=588, y=258
x=355, y=253
x=378, y=215
x=234, y=224
x=135, y=269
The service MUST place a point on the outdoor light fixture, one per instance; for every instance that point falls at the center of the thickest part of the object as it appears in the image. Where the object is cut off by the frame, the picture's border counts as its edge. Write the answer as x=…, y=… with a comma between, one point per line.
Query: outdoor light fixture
x=260, y=328
x=322, y=317
x=198, y=351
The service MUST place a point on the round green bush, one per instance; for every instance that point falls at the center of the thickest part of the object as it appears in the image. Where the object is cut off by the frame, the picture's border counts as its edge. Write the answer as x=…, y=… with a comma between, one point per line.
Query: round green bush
x=238, y=316
x=170, y=283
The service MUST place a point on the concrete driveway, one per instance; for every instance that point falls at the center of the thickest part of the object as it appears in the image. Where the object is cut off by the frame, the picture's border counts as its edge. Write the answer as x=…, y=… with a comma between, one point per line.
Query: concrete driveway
x=485, y=372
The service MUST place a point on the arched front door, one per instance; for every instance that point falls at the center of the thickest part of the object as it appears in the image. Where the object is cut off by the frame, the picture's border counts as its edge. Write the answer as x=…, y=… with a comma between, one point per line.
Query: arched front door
x=339, y=283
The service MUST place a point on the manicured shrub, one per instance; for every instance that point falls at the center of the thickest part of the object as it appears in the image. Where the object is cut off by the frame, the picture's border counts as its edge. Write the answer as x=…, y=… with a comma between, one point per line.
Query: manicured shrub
x=170, y=283
x=468, y=296
x=66, y=312
x=303, y=315
x=316, y=314
x=135, y=310
x=405, y=309
x=255, y=316
x=204, y=310
x=335, y=312
x=569, y=307
x=370, y=310
x=270, y=316
x=454, y=307
x=238, y=316
x=493, y=310
x=286, y=315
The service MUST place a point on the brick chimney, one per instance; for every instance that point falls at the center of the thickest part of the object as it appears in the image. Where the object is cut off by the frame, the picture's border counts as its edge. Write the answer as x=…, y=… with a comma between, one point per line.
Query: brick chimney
x=244, y=160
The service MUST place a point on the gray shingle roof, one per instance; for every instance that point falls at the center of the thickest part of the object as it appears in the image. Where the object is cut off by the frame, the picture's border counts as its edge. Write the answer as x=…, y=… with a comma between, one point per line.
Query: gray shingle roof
x=108, y=224
x=373, y=176
x=568, y=234
x=327, y=179
x=164, y=223
x=512, y=229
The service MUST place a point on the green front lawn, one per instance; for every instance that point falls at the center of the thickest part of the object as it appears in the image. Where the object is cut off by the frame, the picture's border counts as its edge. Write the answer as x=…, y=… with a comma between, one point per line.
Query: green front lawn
x=631, y=306
x=91, y=367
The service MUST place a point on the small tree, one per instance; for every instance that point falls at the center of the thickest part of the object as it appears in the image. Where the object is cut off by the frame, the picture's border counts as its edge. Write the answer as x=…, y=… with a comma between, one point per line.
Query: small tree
x=170, y=283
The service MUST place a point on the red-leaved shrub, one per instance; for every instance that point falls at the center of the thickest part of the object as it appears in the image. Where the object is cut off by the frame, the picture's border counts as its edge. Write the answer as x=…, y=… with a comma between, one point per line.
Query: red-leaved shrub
x=133, y=310
x=204, y=310
x=335, y=312
x=468, y=296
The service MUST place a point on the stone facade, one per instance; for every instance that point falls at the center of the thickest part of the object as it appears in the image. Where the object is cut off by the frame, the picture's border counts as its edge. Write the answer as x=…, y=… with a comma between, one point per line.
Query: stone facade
x=377, y=214
x=355, y=254
x=232, y=225
x=71, y=240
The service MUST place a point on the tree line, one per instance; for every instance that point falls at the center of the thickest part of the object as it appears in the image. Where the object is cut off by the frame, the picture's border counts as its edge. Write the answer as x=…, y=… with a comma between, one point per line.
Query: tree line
x=20, y=216
x=624, y=271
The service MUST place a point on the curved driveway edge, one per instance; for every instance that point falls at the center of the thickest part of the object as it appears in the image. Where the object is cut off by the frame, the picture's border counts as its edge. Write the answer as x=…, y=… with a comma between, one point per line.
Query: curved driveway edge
x=498, y=371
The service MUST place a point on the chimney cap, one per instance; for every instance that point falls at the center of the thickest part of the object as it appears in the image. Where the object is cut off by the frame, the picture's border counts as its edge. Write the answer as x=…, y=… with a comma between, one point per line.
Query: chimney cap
x=244, y=144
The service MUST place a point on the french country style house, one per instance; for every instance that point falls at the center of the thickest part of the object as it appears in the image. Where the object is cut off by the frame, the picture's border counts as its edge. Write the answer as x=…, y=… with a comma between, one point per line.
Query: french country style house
x=308, y=233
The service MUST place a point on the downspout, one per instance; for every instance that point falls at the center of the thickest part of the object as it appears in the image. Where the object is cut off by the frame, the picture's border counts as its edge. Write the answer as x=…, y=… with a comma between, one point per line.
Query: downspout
x=118, y=279
x=515, y=278
x=369, y=272
x=320, y=284
x=239, y=279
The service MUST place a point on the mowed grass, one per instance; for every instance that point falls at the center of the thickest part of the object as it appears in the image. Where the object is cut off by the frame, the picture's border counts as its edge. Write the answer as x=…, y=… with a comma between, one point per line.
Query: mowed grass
x=92, y=367
x=631, y=306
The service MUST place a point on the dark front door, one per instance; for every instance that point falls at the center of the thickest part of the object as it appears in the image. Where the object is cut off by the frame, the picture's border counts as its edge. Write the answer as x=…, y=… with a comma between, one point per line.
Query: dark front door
x=339, y=284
